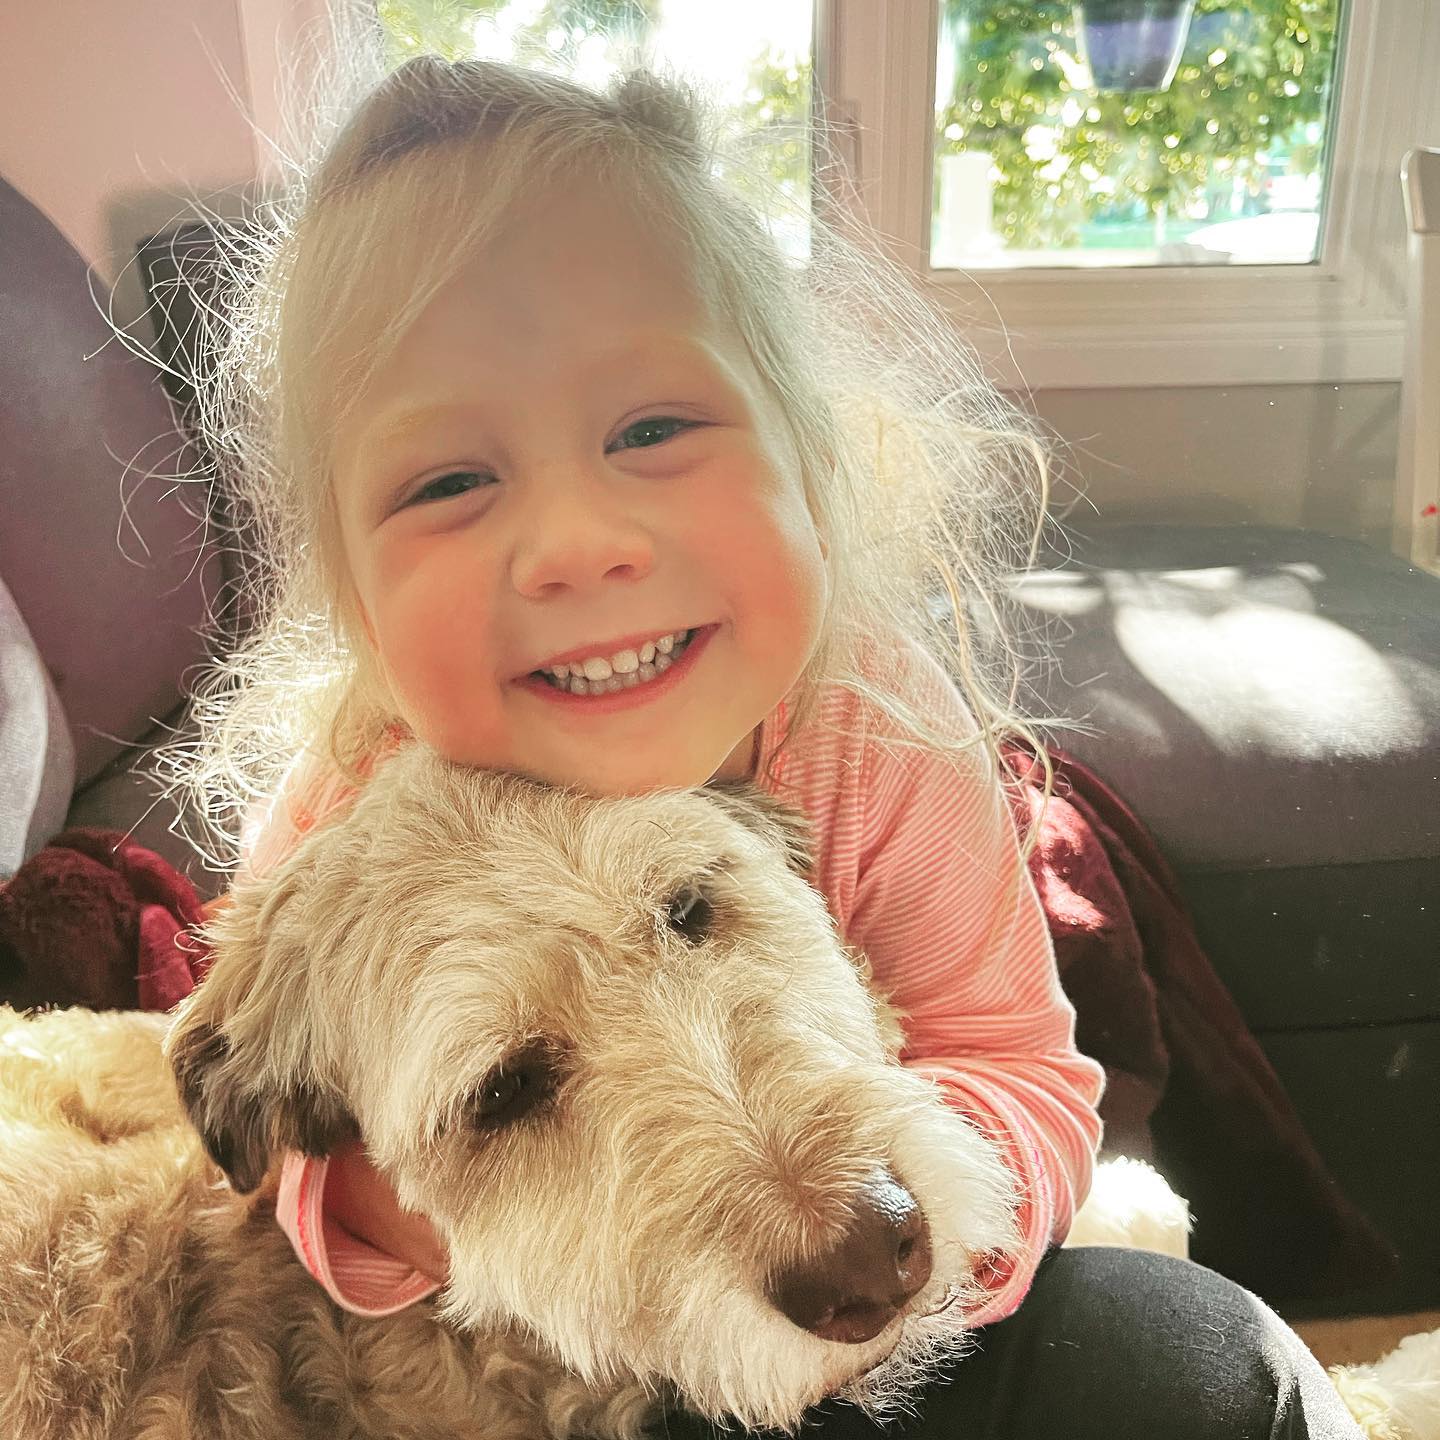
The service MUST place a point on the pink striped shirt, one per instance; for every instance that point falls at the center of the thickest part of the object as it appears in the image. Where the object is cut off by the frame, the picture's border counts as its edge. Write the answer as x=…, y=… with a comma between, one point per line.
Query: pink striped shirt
x=918, y=860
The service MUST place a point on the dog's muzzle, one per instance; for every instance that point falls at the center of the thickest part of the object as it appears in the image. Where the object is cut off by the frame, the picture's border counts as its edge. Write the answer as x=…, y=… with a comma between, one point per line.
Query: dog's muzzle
x=850, y=1294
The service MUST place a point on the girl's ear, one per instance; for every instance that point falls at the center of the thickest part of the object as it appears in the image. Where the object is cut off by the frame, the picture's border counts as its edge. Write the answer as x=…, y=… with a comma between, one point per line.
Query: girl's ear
x=234, y=1039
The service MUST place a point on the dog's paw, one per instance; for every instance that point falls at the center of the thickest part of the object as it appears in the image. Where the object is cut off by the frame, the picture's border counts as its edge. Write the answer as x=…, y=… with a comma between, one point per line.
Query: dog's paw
x=1132, y=1205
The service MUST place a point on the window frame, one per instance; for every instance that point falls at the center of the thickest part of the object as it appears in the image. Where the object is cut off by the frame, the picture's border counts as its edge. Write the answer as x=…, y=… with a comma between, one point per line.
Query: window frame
x=1340, y=319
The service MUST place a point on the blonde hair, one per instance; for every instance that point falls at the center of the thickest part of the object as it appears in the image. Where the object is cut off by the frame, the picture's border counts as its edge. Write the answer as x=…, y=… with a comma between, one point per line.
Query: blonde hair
x=924, y=483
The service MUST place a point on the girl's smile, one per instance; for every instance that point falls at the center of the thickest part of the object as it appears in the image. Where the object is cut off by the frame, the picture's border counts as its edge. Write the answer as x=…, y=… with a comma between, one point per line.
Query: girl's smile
x=573, y=513
x=590, y=684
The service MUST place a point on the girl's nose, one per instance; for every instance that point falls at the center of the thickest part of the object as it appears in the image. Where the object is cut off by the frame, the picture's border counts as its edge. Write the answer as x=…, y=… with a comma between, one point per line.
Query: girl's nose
x=578, y=533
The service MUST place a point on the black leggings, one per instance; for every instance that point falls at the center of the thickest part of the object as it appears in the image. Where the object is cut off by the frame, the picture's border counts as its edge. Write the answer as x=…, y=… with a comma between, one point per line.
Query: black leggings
x=1111, y=1344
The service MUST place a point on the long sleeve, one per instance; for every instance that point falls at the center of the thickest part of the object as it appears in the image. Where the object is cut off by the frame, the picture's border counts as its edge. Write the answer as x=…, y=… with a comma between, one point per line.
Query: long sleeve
x=945, y=911
x=308, y=792
x=357, y=1276
x=919, y=860
x=311, y=791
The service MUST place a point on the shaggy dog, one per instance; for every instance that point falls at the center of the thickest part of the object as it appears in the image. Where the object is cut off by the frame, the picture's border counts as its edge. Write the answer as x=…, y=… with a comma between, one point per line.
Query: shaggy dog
x=612, y=1048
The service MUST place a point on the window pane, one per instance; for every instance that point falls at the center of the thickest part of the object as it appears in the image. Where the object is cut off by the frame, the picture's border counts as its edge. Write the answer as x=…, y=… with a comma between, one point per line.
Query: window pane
x=1131, y=132
x=755, y=67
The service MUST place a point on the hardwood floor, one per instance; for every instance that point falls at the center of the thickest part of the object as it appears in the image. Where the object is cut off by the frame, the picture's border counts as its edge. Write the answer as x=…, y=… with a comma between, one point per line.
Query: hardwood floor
x=1363, y=1338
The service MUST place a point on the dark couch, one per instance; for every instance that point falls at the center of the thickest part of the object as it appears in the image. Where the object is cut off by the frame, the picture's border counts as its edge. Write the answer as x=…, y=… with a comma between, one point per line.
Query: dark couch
x=105, y=557
x=1268, y=701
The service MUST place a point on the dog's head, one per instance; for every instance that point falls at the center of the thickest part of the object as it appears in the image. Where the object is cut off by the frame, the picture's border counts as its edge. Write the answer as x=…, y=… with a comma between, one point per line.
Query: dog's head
x=452, y=851
x=615, y=1051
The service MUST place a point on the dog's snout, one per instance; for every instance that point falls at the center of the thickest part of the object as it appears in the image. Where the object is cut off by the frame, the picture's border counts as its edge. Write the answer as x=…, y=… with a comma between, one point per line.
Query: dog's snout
x=852, y=1293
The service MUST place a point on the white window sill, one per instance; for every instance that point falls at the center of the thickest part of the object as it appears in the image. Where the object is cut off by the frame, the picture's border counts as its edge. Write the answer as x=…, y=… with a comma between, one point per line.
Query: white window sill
x=1119, y=329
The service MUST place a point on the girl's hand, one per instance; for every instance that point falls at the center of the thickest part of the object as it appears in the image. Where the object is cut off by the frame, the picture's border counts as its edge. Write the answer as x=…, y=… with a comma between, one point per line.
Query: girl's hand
x=358, y=1197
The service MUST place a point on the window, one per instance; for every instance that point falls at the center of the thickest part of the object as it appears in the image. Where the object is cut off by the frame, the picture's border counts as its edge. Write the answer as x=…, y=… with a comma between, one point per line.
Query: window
x=1131, y=132
x=1046, y=325
x=1312, y=292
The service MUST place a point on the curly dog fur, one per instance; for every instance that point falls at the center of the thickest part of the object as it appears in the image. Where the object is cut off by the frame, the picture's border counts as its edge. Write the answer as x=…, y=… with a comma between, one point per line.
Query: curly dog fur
x=612, y=1048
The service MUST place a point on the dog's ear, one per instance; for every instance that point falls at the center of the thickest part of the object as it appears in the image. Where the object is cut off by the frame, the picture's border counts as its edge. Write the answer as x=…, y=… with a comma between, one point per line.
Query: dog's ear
x=243, y=1120
x=242, y=1045
x=774, y=821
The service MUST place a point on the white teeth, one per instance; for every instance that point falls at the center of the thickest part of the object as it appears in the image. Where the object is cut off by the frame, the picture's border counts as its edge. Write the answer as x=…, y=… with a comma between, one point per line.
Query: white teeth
x=621, y=671
x=623, y=662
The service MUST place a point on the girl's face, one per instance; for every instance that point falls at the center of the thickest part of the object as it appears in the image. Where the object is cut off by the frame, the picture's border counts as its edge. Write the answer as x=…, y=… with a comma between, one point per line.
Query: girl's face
x=567, y=461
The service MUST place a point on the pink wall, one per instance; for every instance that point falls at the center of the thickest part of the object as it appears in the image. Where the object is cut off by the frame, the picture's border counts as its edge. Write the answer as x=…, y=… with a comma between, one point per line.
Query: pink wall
x=111, y=111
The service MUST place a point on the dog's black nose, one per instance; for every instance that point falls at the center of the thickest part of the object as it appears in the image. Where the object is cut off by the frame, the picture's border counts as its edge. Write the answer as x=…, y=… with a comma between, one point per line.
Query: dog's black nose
x=854, y=1292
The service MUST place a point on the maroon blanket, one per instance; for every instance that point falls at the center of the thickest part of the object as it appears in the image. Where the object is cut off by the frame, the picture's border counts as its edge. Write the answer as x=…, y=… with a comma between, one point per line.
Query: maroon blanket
x=97, y=920
x=1178, y=1055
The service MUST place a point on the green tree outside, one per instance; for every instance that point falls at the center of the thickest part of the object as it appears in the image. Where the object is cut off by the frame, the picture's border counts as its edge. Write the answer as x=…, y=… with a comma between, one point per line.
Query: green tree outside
x=1254, y=79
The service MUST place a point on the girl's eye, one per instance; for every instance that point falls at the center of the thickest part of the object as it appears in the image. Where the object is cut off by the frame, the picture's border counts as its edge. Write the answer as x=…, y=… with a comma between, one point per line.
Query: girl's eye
x=642, y=435
x=446, y=487
x=653, y=430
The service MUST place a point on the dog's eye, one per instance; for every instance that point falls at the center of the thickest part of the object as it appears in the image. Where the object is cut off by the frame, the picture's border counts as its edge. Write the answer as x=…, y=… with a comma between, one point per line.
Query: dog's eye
x=512, y=1090
x=689, y=914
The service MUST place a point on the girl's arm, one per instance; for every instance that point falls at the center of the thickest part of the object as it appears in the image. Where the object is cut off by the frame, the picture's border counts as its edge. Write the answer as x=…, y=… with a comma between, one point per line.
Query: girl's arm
x=946, y=913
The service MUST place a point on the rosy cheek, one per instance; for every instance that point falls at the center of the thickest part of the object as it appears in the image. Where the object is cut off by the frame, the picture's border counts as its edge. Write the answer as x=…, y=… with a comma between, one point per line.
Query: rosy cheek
x=409, y=634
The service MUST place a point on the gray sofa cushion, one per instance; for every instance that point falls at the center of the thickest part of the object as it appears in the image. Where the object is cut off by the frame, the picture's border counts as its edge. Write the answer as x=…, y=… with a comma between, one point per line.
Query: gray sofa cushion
x=1261, y=697
x=127, y=796
x=1268, y=703
x=37, y=757
x=104, y=557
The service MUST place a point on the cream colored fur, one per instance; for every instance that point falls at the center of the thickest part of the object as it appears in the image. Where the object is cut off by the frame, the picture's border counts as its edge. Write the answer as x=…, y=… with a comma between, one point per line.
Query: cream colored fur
x=1396, y=1397
x=1132, y=1205
x=708, y=1108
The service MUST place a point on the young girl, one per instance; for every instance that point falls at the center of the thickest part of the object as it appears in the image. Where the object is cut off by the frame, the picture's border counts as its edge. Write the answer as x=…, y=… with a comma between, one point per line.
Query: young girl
x=557, y=464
